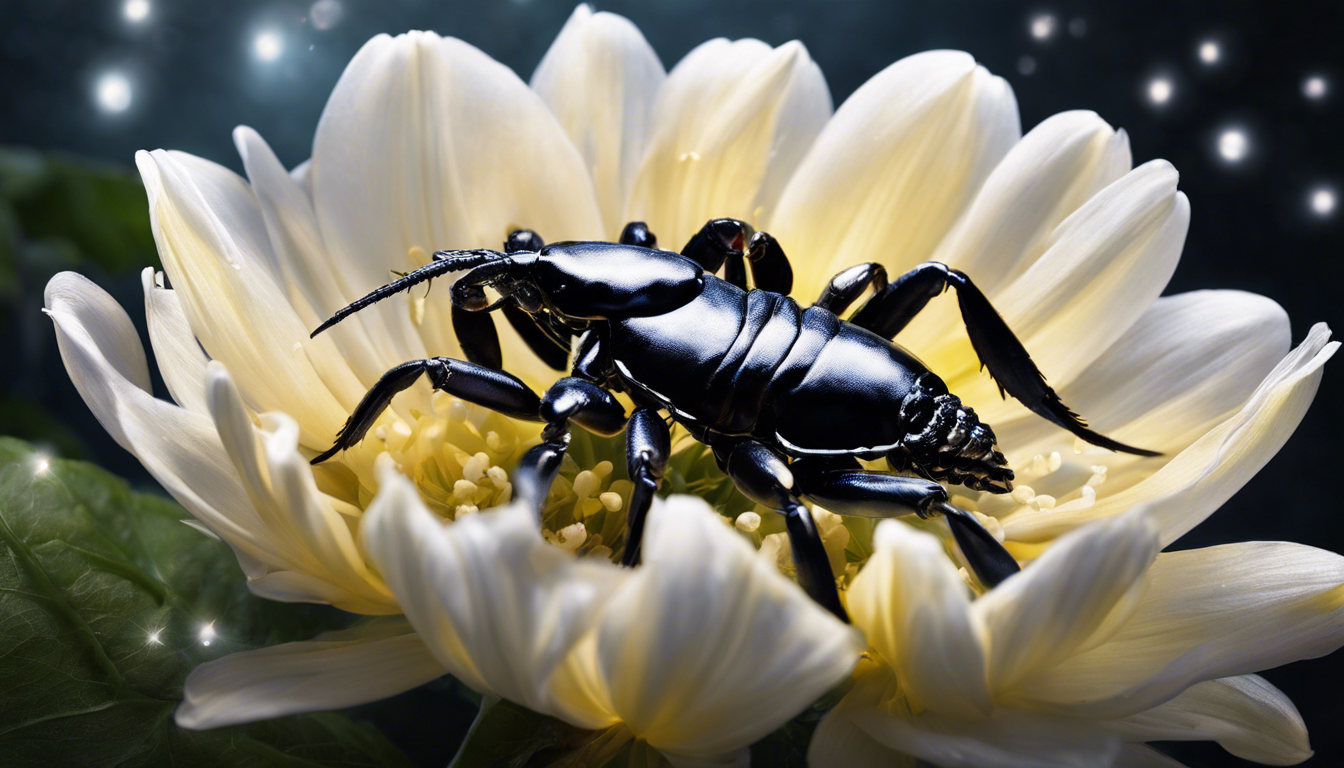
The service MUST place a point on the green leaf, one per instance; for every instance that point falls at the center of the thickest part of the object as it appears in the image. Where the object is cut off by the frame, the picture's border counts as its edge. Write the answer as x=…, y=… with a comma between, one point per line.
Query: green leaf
x=509, y=735
x=96, y=211
x=104, y=594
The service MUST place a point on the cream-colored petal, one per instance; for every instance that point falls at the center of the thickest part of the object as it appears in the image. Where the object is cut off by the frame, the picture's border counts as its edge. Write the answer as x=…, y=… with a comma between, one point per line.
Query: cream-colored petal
x=1197, y=481
x=1103, y=266
x=1059, y=165
x=314, y=287
x=215, y=250
x=428, y=143
x=707, y=648
x=1008, y=739
x=1056, y=168
x=1207, y=613
x=1038, y=617
x=839, y=743
x=177, y=353
x=298, y=525
x=497, y=605
x=180, y=448
x=914, y=609
x=600, y=78
x=337, y=669
x=894, y=168
x=1246, y=715
x=730, y=125
x=1191, y=361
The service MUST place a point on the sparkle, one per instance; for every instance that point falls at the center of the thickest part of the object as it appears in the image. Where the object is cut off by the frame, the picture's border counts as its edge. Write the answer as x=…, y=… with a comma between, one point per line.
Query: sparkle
x=1233, y=145
x=112, y=92
x=1043, y=26
x=1315, y=87
x=1210, y=52
x=207, y=634
x=154, y=638
x=41, y=464
x=135, y=11
x=1322, y=201
x=1159, y=90
x=268, y=45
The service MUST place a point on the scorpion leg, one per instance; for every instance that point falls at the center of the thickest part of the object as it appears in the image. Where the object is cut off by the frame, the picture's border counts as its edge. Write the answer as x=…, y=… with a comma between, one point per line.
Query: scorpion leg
x=764, y=477
x=999, y=350
x=849, y=284
x=853, y=491
x=472, y=382
x=647, y=445
x=637, y=233
x=735, y=243
x=570, y=399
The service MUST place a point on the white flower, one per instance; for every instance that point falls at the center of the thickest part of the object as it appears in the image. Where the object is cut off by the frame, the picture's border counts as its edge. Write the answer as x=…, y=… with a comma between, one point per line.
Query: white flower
x=1098, y=643
x=427, y=143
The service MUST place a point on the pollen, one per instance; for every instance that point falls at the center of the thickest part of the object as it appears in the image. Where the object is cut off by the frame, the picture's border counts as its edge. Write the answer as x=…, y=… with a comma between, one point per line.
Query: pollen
x=1023, y=494
x=748, y=522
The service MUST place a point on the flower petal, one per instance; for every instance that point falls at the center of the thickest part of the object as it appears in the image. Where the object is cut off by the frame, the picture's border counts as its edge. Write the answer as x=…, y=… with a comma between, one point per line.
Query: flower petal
x=215, y=250
x=1009, y=739
x=428, y=143
x=1203, y=476
x=600, y=78
x=313, y=287
x=301, y=528
x=1207, y=613
x=177, y=353
x=1057, y=167
x=914, y=609
x=337, y=669
x=1190, y=361
x=497, y=605
x=1103, y=267
x=707, y=648
x=895, y=167
x=730, y=125
x=180, y=448
x=1037, y=617
x=1246, y=715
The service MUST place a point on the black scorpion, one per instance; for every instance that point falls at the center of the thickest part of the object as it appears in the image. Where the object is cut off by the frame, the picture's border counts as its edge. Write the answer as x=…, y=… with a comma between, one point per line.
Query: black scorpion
x=787, y=398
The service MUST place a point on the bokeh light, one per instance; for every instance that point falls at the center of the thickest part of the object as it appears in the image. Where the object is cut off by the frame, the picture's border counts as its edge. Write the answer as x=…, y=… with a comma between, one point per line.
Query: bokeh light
x=1322, y=201
x=1210, y=52
x=136, y=11
x=1160, y=90
x=1233, y=145
x=112, y=92
x=1315, y=87
x=1043, y=26
x=268, y=45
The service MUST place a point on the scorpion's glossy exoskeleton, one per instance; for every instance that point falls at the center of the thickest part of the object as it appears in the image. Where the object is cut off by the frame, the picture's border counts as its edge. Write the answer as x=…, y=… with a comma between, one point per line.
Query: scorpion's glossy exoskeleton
x=787, y=398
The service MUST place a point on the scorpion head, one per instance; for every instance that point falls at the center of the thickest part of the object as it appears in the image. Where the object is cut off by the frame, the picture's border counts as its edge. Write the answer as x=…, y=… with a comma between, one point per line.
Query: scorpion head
x=945, y=441
x=584, y=281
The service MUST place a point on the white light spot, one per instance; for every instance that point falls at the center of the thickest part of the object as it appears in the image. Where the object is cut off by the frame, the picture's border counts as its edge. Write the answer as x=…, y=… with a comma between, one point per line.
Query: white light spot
x=1043, y=26
x=326, y=13
x=268, y=45
x=113, y=92
x=154, y=638
x=1315, y=87
x=1233, y=145
x=1159, y=90
x=1322, y=201
x=1210, y=52
x=1077, y=27
x=41, y=464
x=1026, y=65
x=207, y=634
x=135, y=11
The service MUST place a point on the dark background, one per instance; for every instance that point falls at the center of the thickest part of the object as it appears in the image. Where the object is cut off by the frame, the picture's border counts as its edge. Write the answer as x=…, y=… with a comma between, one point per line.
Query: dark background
x=194, y=75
